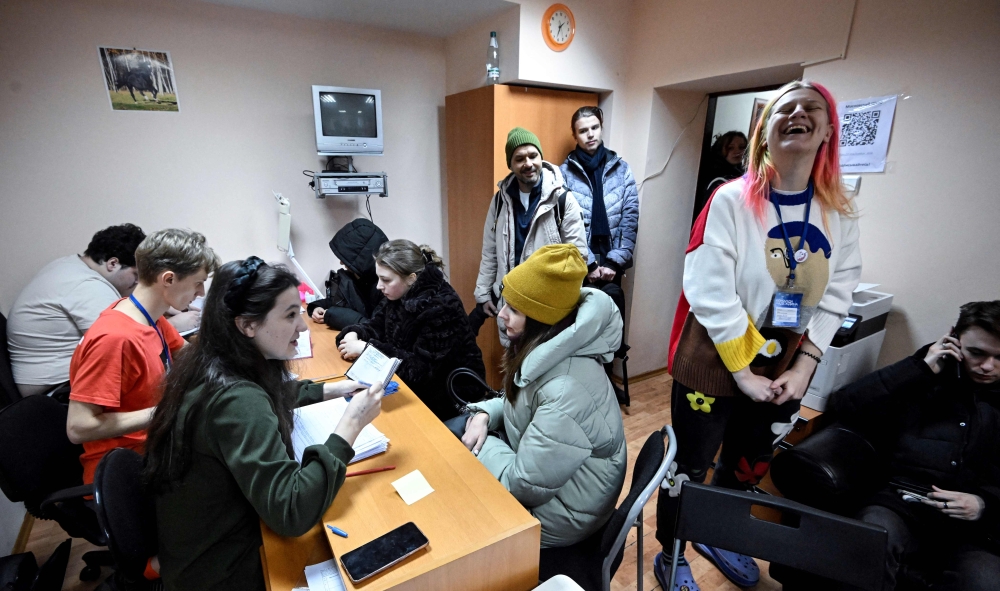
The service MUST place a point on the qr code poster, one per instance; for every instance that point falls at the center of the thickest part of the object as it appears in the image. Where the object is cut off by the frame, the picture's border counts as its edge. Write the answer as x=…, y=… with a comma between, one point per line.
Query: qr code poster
x=139, y=79
x=865, y=126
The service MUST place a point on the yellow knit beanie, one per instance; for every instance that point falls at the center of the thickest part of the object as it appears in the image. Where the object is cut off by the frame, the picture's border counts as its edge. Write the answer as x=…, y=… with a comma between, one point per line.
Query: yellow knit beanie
x=546, y=287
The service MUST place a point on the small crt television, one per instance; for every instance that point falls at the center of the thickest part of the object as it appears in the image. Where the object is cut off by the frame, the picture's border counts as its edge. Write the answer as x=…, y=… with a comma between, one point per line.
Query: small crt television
x=348, y=121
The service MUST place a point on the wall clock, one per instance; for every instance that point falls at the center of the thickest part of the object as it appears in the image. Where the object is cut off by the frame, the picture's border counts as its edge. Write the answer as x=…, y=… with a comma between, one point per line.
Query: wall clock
x=558, y=27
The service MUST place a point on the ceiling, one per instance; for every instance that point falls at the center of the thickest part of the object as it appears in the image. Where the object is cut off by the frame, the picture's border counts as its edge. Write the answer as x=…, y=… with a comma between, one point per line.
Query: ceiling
x=437, y=18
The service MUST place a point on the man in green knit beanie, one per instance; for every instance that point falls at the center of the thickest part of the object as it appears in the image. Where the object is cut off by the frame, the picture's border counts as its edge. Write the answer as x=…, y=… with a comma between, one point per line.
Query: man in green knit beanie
x=531, y=209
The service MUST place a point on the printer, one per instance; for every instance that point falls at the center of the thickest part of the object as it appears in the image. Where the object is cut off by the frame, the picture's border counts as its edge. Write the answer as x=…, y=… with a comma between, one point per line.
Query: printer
x=855, y=348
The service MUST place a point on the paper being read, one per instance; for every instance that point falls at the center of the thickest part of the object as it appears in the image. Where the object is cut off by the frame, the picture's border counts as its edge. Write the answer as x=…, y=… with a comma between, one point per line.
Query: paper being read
x=412, y=487
x=370, y=367
x=324, y=576
x=303, y=349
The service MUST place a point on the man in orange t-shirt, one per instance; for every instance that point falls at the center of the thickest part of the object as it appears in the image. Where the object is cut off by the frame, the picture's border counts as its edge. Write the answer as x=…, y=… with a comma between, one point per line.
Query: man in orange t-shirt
x=116, y=371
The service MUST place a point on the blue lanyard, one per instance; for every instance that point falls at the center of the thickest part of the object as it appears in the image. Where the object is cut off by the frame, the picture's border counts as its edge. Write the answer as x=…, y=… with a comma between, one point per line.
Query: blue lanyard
x=792, y=263
x=163, y=341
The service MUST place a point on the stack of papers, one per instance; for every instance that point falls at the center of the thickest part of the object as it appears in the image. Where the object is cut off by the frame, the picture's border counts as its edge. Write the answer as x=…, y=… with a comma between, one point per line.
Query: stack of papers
x=314, y=424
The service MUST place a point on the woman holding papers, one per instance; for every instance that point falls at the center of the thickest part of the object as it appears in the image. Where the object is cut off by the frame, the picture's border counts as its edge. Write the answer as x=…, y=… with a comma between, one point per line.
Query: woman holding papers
x=566, y=459
x=421, y=322
x=219, y=454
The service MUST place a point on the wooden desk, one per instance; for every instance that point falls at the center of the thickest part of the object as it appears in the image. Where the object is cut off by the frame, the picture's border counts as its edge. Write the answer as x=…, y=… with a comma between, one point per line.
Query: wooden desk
x=480, y=536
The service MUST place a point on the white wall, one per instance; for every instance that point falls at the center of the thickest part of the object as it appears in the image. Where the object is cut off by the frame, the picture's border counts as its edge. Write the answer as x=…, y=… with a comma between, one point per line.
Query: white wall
x=465, y=51
x=673, y=44
x=733, y=111
x=928, y=224
x=70, y=166
x=924, y=234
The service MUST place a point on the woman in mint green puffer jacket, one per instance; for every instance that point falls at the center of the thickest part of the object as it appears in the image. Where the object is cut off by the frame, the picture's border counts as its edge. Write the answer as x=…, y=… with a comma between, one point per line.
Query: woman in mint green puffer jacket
x=566, y=459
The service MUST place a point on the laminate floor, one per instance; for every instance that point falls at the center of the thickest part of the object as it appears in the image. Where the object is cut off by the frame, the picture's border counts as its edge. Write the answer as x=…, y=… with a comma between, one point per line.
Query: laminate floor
x=650, y=410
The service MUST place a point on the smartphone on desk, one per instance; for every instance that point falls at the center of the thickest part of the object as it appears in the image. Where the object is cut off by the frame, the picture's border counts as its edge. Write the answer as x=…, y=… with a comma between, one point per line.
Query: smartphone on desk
x=383, y=552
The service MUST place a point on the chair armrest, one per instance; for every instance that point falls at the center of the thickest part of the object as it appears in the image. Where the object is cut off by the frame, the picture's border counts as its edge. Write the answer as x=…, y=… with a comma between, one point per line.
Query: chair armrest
x=66, y=494
x=831, y=470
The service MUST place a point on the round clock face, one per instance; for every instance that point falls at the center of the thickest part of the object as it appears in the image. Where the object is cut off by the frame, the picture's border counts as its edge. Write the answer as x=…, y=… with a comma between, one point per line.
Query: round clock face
x=559, y=27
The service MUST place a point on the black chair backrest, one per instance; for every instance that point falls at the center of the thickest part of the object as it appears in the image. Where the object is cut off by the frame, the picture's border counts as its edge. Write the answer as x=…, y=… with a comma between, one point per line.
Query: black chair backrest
x=646, y=464
x=818, y=542
x=8, y=389
x=125, y=510
x=36, y=457
x=834, y=470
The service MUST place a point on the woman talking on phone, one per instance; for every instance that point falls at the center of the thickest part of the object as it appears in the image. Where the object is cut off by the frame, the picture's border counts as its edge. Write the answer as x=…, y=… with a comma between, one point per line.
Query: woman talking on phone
x=219, y=454
x=768, y=276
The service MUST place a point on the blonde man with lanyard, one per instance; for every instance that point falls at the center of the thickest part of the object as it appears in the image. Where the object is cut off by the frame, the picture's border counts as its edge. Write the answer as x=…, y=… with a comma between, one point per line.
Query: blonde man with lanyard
x=115, y=374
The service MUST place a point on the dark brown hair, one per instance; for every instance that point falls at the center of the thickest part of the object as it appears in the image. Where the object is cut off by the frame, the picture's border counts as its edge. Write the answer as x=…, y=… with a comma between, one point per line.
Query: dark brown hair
x=586, y=112
x=985, y=315
x=115, y=242
x=535, y=333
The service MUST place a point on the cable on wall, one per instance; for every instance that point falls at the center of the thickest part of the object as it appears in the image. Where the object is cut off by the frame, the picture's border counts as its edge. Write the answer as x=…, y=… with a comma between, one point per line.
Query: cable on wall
x=674, y=147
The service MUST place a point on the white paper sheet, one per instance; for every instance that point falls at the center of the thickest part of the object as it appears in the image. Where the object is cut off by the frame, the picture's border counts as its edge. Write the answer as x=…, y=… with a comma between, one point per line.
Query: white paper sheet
x=412, y=487
x=314, y=423
x=324, y=576
x=865, y=126
x=303, y=349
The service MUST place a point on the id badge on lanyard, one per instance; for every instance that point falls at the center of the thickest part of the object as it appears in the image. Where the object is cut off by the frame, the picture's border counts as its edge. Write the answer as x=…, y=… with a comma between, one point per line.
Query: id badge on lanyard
x=786, y=307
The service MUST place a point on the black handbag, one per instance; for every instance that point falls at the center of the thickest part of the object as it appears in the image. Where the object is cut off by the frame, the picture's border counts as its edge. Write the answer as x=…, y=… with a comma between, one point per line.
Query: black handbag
x=457, y=425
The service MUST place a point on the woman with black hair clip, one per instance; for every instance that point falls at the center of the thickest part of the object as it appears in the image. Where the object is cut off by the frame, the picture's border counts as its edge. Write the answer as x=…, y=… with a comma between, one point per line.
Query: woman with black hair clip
x=219, y=454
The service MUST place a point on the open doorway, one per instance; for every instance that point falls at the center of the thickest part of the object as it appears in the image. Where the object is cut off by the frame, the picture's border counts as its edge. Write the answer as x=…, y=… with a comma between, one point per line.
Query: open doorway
x=728, y=123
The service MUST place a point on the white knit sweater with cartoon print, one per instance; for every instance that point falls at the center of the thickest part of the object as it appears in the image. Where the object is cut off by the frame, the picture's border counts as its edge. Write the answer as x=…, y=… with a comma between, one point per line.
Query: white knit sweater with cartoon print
x=732, y=275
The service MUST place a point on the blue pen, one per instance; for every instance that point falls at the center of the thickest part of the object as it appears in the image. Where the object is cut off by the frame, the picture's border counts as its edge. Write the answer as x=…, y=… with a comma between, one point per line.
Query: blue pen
x=338, y=531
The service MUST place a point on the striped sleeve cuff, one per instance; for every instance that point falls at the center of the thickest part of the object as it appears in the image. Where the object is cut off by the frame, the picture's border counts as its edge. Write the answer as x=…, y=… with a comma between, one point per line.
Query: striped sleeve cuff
x=822, y=327
x=739, y=352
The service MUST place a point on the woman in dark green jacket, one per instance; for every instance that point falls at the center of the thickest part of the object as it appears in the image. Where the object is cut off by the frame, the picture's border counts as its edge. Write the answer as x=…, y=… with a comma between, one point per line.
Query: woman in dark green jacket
x=219, y=457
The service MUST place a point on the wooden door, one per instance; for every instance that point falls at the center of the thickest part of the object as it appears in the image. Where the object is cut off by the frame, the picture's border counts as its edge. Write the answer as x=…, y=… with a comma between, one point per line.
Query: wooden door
x=477, y=123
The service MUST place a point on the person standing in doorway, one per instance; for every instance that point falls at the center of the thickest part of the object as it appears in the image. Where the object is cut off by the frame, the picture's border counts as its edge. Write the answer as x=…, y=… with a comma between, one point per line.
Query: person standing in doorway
x=606, y=191
x=768, y=276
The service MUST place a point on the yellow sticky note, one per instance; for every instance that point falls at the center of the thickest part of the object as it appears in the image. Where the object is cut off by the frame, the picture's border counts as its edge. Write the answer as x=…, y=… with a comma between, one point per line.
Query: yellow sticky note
x=412, y=487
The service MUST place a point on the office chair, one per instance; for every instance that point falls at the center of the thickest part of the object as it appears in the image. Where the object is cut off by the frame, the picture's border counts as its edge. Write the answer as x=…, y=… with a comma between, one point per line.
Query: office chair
x=810, y=540
x=592, y=562
x=41, y=467
x=9, y=393
x=623, y=397
x=126, y=513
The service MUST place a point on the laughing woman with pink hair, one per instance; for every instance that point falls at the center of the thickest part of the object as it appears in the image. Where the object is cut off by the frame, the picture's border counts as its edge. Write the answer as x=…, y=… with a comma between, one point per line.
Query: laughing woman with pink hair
x=768, y=276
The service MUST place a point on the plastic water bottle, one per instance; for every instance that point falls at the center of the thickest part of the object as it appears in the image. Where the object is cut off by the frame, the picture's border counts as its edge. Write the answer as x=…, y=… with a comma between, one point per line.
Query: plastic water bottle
x=493, y=60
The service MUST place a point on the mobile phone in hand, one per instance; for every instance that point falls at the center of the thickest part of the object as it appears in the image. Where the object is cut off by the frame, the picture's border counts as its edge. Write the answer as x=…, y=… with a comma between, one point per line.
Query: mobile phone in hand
x=383, y=552
x=910, y=496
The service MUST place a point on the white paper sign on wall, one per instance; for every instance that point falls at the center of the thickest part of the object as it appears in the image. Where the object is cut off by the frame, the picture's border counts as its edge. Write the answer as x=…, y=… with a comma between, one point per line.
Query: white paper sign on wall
x=865, y=126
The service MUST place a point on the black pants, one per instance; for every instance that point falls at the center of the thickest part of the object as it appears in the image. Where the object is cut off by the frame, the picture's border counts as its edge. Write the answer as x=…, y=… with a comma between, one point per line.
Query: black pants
x=952, y=560
x=748, y=432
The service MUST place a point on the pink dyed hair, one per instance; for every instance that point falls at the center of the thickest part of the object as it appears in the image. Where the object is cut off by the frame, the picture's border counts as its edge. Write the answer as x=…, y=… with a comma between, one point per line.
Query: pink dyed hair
x=826, y=167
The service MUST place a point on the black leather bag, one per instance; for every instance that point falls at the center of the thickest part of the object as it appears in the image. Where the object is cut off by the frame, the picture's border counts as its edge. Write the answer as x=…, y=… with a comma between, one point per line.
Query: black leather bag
x=457, y=425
